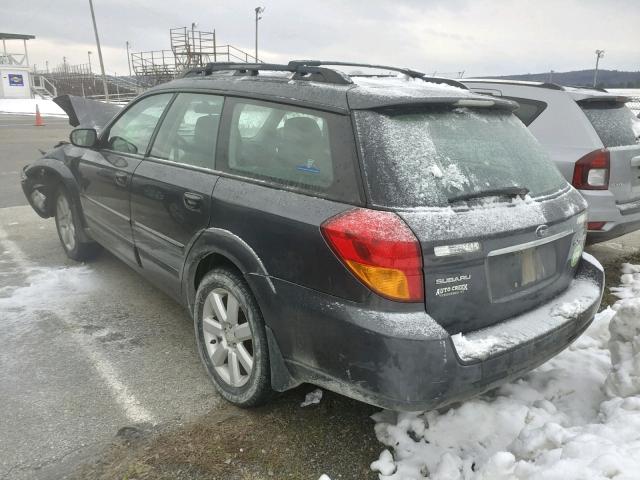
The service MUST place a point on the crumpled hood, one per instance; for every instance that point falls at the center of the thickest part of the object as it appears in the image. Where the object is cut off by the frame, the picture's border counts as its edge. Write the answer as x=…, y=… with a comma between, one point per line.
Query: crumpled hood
x=87, y=113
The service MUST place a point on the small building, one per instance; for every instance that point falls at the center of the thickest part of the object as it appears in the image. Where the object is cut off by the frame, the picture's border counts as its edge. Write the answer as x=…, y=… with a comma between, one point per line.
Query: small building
x=15, y=76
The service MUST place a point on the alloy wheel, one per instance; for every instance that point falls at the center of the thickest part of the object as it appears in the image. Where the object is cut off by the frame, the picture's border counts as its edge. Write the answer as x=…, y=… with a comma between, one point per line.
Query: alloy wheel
x=66, y=227
x=228, y=337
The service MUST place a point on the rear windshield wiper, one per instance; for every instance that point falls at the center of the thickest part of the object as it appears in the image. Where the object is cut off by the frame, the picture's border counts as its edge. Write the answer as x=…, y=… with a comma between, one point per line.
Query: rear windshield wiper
x=496, y=192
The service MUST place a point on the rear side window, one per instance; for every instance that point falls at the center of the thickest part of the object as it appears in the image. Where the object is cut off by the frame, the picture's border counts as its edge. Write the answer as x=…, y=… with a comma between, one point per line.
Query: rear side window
x=132, y=131
x=612, y=121
x=280, y=144
x=425, y=158
x=189, y=130
x=528, y=110
x=296, y=148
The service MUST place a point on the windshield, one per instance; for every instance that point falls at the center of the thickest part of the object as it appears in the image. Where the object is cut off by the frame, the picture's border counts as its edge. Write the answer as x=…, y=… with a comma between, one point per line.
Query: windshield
x=614, y=123
x=426, y=158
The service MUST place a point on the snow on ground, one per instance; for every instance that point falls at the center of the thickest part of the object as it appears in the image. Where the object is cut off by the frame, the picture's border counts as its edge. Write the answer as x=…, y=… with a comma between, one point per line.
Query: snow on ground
x=27, y=106
x=41, y=289
x=575, y=417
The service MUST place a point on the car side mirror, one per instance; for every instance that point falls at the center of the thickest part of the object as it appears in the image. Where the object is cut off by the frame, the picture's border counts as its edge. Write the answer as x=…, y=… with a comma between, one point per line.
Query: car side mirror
x=84, y=137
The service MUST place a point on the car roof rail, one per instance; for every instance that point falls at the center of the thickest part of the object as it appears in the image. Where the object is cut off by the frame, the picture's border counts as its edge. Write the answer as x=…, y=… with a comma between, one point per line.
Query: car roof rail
x=406, y=71
x=312, y=70
x=300, y=72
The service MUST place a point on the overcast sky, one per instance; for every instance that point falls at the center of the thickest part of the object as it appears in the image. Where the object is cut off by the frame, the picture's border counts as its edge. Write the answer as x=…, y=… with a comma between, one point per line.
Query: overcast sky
x=481, y=37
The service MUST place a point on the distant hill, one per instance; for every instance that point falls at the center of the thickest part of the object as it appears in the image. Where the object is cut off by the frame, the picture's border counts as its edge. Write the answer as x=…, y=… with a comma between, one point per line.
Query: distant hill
x=606, y=78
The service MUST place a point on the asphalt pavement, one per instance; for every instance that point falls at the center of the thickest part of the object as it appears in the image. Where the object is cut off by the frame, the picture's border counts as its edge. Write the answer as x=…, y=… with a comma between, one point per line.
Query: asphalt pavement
x=85, y=350
x=20, y=142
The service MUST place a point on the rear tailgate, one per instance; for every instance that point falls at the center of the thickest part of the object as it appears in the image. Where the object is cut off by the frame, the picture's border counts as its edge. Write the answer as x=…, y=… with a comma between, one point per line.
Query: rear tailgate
x=616, y=127
x=485, y=264
x=487, y=254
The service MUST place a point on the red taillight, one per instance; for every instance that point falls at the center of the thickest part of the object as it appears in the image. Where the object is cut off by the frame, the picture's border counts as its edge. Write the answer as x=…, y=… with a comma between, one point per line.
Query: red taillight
x=591, y=172
x=595, y=225
x=380, y=250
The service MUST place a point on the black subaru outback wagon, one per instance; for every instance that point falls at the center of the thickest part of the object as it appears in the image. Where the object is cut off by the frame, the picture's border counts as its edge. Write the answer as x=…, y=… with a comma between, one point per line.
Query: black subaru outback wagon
x=396, y=239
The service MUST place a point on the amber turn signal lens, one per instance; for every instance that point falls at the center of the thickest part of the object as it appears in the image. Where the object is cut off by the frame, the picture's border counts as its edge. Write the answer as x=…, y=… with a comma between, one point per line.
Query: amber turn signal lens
x=389, y=282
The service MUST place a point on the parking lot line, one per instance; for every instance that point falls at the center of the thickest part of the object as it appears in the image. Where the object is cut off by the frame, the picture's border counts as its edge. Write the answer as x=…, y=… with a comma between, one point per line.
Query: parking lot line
x=132, y=408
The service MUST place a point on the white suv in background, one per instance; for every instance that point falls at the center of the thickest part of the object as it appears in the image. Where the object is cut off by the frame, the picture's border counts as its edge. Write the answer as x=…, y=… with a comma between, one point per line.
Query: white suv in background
x=593, y=139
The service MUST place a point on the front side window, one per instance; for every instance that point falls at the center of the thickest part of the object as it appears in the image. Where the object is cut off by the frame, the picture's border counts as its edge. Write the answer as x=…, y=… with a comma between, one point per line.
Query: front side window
x=133, y=130
x=428, y=157
x=189, y=131
x=288, y=145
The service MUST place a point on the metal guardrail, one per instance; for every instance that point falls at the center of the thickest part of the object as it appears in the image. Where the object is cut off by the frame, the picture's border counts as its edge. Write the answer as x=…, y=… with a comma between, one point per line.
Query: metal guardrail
x=120, y=98
x=126, y=83
x=164, y=63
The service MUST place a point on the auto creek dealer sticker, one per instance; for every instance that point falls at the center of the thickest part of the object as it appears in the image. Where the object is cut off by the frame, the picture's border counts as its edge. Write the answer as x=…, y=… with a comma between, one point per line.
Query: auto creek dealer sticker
x=447, y=286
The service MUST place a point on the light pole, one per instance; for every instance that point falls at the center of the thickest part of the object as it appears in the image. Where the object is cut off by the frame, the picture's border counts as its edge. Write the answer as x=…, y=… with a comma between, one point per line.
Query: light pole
x=259, y=11
x=128, y=57
x=89, y=56
x=599, y=55
x=95, y=30
x=191, y=59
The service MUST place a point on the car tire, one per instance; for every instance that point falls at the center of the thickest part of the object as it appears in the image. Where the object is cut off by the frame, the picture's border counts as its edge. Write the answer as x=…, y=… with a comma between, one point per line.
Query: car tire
x=231, y=338
x=68, y=226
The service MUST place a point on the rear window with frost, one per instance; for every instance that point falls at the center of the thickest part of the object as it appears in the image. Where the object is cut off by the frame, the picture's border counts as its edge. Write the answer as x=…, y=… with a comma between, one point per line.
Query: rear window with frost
x=612, y=121
x=418, y=158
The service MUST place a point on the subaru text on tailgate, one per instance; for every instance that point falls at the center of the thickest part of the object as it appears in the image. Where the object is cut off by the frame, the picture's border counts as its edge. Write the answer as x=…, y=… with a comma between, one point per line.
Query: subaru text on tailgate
x=394, y=238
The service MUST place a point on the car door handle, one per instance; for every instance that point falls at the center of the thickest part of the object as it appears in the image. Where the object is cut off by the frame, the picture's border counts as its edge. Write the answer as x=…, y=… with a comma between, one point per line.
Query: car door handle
x=121, y=179
x=635, y=161
x=192, y=201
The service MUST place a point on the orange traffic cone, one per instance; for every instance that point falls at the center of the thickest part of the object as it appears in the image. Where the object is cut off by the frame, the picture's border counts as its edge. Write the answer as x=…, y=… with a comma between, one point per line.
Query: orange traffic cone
x=39, y=121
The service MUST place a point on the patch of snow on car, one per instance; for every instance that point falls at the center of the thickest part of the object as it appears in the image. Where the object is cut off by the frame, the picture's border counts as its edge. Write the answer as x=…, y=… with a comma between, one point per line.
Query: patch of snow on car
x=594, y=261
x=575, y=417
x=404, y=86
x=480, y=344
x=398, y=324
x=488, y=215
x=442, y=224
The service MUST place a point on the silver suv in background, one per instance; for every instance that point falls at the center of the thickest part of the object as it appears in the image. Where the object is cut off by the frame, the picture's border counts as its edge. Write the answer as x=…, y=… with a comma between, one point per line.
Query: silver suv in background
x=593, y=139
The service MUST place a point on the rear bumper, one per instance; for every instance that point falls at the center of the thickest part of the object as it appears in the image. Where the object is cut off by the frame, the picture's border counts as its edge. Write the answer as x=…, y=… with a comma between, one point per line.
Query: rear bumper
x=613, y=230
x=620, y=218
x=405, y=361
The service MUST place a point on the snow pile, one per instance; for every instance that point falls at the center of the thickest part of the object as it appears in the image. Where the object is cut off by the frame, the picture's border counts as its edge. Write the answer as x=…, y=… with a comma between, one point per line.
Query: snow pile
x=312, y=398
x=575, y=417
x=27, y=106
x=624, y=345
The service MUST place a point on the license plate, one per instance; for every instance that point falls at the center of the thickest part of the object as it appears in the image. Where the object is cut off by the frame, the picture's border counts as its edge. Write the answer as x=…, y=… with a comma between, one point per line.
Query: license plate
x=516, y=271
